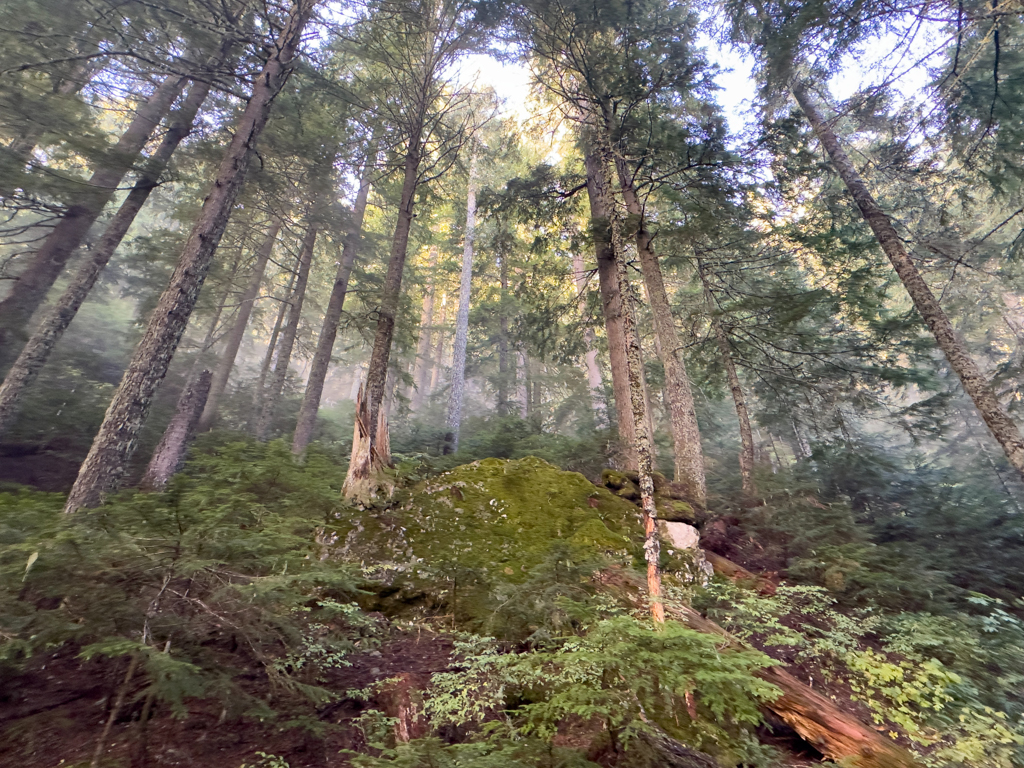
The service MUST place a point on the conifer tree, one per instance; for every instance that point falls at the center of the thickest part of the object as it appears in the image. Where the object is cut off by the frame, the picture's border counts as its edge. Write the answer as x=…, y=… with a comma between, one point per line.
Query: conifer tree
x=115, y=442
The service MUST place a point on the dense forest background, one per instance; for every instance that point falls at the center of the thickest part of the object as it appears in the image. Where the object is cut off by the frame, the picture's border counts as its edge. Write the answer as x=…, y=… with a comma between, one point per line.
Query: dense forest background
x=272, y=274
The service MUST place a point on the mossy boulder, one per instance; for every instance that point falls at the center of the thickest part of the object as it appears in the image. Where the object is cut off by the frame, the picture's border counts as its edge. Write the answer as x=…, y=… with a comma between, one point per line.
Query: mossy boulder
x=483, y=524
x=674, y=501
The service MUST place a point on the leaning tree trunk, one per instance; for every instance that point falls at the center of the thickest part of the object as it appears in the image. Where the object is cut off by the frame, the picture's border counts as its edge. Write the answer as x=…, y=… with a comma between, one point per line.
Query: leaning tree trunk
x=454, y=418
x=689, y=458
x=49, y=260
x=332, y=317
x=421, y=368
x=114, y=444
x=594, y=381
x=378, y=367
x=37, y=351
x=291, y=330
x=170, y=453
x=612, y=225
x=234, y=339
x=377, y=371
x=1003, y=428
x=611, y=301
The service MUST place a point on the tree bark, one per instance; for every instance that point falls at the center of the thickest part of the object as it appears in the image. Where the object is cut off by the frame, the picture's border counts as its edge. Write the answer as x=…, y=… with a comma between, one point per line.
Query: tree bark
x=594, y=381
x=288, y=335
x=454, y=417
x=170, y=453
x=634, y=368
x=421, y=370
x=37, y=351
x=46, y=265
x=332, y=317
x=234, y=339
x=611, y=301
x=378, y=368
x=118, y=434
x=740, y=401
x=268, y=357
x=1003, y=428
x=689, y=458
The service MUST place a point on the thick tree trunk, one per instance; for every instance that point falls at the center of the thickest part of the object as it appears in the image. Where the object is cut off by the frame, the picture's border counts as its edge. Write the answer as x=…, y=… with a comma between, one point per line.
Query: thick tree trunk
x=634, y=367
x=117, y=437
x=1003, y=428
x=454, y=417
x=332, y=317
x=378, y=369
x=49, y=260
x=37, y=351
x=291, y=330
x=234, y=339
x=421, y=368
x=689, y=458
x=611, y=301
x=594, y=381
x=170, y=453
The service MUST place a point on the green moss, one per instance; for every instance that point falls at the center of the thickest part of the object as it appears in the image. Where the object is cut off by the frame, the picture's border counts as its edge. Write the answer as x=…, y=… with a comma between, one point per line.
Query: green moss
x=491, y=522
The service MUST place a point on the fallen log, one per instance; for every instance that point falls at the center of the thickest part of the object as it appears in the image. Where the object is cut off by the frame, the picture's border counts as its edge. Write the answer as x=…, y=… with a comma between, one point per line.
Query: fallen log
x=738, y=574
x=838, y=735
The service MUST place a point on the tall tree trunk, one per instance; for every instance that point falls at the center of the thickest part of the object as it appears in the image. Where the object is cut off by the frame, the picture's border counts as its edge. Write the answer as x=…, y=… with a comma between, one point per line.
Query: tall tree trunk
x=634, y=367
x=1003, y=428
x=378, y=368
x=594, y=381
x=114, y=444
x=332, y=317
x=421, y=369
x=437, y=361
x=505, y=381
x=268, y=357
x=288, y=335
x=689, y=458
x=234, y=340
x=611, y=301
x=740, y=401
x=454, y=418
x=37, y=351
x=46, y=265
x=170, y=453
